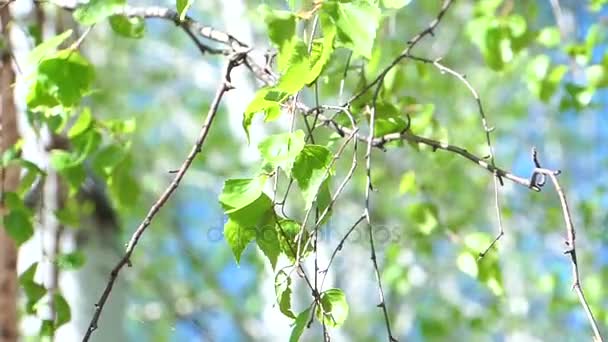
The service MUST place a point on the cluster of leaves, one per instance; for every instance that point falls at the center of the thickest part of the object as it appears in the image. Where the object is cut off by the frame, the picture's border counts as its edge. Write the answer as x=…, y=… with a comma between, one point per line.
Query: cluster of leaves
x=61, y=79
x=502, y=38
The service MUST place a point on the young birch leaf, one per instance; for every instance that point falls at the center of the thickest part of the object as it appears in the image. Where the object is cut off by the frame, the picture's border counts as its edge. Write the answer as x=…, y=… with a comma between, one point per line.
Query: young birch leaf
x=281, y=150
x=244, y=223
x=333, y=309
x=310, y=170
x=238, y=193
x=62, y=310
x=389, y=119
x=282, y=288
x=266, y=238
x=47, y=47
x=356, y=22
x=321, y=51
x=84, y=121
x=62, y=79
x=96, y=10
x=281, y=27
x=71, y=261
x=298, y=69
x=130, y=27
x=18, y=219
x=18, y=225
x=286, y=232
x=267, y=100
x=238, y=237
x=299, y=325
x=324, y=198
x=33, y=291
x=182, y=7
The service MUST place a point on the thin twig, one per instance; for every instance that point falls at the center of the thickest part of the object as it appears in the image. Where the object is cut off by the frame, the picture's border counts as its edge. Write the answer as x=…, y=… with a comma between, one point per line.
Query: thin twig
x=487, y=130
x=570, y=241
x=126, y=259
x=380, y=141
x=406, y=52
x=348, y=176
x=191, y=26
x=340, y=245
x=366, y=212
x=307, y=215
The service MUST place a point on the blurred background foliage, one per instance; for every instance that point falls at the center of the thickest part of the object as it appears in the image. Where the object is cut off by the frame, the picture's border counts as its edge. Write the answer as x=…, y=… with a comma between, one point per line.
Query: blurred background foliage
x=542, y=84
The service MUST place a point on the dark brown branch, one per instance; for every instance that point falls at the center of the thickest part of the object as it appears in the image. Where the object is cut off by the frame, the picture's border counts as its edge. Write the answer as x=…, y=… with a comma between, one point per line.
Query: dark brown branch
x=125, y=260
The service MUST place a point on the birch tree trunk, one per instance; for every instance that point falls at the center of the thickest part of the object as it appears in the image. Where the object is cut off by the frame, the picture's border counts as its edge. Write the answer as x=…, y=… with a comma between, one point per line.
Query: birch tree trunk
x=9, y=179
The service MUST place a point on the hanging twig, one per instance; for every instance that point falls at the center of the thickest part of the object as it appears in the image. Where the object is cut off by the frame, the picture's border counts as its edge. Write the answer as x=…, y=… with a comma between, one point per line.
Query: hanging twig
x=196, y=149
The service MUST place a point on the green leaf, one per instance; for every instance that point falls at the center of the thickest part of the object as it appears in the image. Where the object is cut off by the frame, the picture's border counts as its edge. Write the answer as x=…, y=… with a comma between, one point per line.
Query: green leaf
x=597, y=75
x=300, y=324
x=62, y=160
x=408, y=182
x=356, y=23
x=424, y=216
x=266, y=100
x=83, y=123
x=18, y=225
x=96, y=10
x=62, y=79
x=121, y=127
x=498, y=49
x=123, y=185
x=47, y=329
x=324, y=199
x=31, y=172
x=597, y=5
x=17, y=221
x=310, y=170
x=267, y=239
x=395, y=3
x=130, y=27
x=282, y=288
x=62, y=310
x=388, y=119
x=551, y=82
x=333, y=309
x=108, y=158
x=298, y=66
x=182, y=7
x=281, y=27
x=47, y=47
x=549, y=36
x=33, y=291
x=237, y=237
x=281, y=150
x=467, y=263
x=286, y=232
x=321, y=52
x=11, y=154
x=244, y=223
x=239, y=193
x=71, y=261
